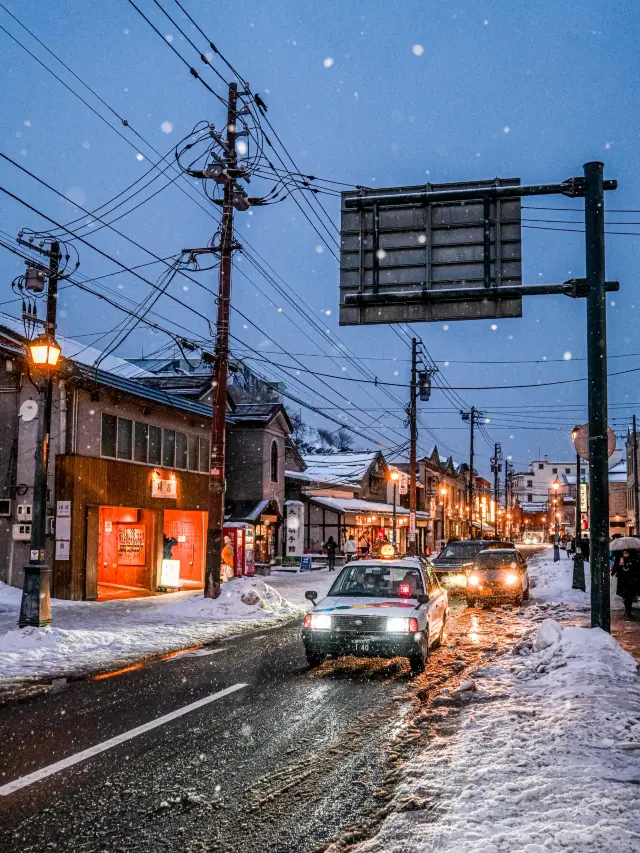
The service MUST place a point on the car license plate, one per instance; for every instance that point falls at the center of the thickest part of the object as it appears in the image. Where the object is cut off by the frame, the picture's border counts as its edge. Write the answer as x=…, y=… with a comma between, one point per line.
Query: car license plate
x=361, y=646
x=486, y=592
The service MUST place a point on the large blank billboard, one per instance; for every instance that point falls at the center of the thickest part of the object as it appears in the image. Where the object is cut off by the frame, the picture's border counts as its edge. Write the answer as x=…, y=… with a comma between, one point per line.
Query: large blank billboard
x=436, y=260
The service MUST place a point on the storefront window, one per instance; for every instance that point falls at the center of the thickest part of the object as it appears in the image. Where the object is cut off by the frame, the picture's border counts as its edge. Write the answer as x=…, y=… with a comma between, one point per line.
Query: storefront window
x=205, y=453
x=181, y=450
x=109, y=432
x=274, y=462
x=155, y=445
x=141, y=438
x=125, y=438
x=169, y=448
x=194, y=455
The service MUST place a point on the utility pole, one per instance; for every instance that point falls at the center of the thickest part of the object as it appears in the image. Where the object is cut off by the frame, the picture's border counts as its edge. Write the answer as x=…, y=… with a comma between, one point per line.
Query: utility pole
x=578, y=557
x=413, y=443
x=215, y=523
x=597, y=382
x=473, y=417
x=495, y=467
x=636, y=492
x=35, y=607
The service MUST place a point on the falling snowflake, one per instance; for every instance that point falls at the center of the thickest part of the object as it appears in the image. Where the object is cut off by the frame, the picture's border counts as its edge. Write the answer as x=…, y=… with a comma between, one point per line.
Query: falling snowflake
x=86, y=145
x=493, y=327
x=185, y=287
x=612, y=303
x=446, y=364
x=608, y=145
x=328, y=312
x=126, y=32
x=486, y=22
x=328, y=62
x=166, y=127
x=567, y=356
x=27, y=123
x=280, y=310
x=169, y=37
x=241, y=147
x=355, y=95
x=506, y=129
x=446, y=327
x=417, y=50
x=422, y=238
x=140, y=157
x=23, y=152
x=319, y=249
x=381, y=254
x=76, y=195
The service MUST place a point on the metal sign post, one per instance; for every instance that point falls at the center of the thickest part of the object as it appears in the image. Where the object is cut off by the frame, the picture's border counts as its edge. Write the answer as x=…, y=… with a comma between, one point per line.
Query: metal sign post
x=452, y=252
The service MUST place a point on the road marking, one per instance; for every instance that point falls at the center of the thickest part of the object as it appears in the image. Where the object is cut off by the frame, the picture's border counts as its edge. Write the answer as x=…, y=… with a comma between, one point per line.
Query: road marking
x=193, y=653
x=38, y=775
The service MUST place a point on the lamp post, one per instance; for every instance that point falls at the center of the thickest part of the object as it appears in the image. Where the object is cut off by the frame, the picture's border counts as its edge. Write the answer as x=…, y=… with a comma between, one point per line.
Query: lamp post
x=578, y=557
x=556, y=537
x=443, y=495
x=43, y=353
x=394, y=476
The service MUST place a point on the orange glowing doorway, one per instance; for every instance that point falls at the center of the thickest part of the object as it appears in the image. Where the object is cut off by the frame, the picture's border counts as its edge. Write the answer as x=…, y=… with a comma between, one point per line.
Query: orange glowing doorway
x=184, y=536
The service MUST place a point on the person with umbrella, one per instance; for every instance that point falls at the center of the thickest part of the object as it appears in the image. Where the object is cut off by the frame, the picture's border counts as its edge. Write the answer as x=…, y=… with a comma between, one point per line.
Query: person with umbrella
x=626, y=568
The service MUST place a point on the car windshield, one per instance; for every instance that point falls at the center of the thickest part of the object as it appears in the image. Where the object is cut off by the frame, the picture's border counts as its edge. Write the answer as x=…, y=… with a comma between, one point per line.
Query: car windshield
x=464, y=550
x=378, y=580
x=497, y=560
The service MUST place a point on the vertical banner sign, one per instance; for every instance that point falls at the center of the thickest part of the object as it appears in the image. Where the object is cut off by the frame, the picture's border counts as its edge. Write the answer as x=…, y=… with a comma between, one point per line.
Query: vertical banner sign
x=63, y=530
x=294, y=532
x=403, y=483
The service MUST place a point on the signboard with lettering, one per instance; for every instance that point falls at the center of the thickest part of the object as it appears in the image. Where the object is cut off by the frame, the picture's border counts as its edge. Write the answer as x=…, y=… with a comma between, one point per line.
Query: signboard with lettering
x=305, y=563
x=403, y=483
x=294, y=532
x=63, y=530
x=164, y=488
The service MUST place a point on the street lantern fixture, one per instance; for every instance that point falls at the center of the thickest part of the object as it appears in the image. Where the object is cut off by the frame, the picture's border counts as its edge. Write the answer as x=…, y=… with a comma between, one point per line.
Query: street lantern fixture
x=45, y=351
x=555, y=485
x=394, y=476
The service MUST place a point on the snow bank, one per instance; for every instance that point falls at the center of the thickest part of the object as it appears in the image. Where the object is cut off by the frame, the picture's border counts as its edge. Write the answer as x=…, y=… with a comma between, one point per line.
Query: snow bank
x=553, y=582
x=89, y=636
x=546, y=757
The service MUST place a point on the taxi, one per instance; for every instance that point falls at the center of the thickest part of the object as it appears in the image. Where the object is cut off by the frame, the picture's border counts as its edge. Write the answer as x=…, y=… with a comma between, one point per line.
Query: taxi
x=386, y=606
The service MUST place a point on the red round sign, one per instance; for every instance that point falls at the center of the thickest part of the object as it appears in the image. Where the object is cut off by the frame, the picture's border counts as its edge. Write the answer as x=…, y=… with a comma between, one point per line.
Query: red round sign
x=581, y=441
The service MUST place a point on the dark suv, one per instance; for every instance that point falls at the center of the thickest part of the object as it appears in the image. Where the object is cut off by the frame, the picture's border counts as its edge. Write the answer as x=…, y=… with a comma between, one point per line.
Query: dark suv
x=451, y=562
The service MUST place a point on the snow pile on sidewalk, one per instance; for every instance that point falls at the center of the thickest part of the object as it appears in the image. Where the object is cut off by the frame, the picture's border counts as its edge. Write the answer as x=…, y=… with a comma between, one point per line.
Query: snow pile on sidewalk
x=553, y=582
x=89, y=636
x=546, y=757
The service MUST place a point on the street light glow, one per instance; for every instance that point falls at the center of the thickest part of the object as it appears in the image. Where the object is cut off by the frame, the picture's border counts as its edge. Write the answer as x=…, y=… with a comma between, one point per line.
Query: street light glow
x=45, y=351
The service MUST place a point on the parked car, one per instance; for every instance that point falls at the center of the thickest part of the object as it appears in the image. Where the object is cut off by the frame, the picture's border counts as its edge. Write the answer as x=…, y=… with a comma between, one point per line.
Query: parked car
x=498, y=575
x=378, y=607
x=452, y=561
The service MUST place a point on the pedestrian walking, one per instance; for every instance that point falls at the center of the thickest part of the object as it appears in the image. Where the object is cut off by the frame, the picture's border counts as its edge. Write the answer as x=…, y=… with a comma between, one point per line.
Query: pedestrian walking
x=349, y=548
x=363, y=544
x=331, y=546
x=626, y=567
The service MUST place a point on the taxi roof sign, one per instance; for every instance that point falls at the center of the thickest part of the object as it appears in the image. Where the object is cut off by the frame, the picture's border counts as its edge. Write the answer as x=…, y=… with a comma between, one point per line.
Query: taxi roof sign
x=387, y=551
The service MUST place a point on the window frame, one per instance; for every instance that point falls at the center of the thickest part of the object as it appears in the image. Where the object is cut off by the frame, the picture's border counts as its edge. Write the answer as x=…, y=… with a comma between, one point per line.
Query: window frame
x=274, y=469
x=141, y=434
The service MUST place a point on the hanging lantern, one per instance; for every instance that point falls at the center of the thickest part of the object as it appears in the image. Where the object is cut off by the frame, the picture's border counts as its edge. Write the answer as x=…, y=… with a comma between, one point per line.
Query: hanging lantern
x=45, y=351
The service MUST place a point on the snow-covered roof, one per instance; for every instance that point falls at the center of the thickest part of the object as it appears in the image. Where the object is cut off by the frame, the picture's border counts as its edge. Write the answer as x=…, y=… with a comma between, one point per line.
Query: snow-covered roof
x=82, y=353
x=325, y=479
x=339, y=467
x=363, y=507
x=618, y=474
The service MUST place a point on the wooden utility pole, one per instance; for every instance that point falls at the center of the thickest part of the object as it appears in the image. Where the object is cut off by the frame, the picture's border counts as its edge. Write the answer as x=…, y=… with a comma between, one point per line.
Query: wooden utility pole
x=215, y=523
x=413, y=427
x=636, y=491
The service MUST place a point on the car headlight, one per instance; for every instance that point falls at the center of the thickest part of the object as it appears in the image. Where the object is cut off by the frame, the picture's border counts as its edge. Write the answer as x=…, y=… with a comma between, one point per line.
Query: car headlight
x=320, y=622
x=511, y=580
x=397, y=625
x=473, y=580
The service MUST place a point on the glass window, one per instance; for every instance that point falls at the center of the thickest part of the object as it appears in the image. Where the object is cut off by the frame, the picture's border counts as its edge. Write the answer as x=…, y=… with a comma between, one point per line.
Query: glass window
x=554, y=470
x=155, y=445
x=274, y=461
x=193, y=453
x=378, y=580
x=141, y=438
x=540, y=466
x=530, y=483
x=169, y=448
x=181, y=450
x=109, y=430
x=530, y=497
x=125, y=438
x=205, y=453
x=567, y=470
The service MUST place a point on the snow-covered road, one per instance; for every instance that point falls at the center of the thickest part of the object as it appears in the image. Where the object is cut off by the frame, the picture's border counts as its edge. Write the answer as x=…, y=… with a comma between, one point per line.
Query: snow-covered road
x=542, y=756
x=90, y=636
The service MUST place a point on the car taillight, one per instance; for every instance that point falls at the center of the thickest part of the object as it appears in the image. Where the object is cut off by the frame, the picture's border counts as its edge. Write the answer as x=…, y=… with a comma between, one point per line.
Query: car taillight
x=307, y=620
x=413, y=625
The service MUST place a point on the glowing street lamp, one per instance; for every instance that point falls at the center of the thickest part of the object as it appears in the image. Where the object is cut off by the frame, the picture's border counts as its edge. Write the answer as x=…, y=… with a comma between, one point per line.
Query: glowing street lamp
x=45, y=352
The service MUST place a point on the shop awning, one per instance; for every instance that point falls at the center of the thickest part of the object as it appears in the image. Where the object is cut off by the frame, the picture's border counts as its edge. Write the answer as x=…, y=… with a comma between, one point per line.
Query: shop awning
x=251, y=511
x=361, y=507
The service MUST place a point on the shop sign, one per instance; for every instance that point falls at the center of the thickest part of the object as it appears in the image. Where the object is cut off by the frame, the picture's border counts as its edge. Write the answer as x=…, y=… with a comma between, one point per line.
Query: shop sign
x=294, y=529
x=170, y=573
x=164, y=488
x=305, y=563
x=63, y=530
x=131, y=546
x=584, y=496
x=403, y=483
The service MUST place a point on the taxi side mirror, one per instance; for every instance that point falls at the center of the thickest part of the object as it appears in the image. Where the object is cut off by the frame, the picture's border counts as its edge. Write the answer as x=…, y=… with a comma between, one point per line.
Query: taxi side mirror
x=423, y=598
x=311, y=595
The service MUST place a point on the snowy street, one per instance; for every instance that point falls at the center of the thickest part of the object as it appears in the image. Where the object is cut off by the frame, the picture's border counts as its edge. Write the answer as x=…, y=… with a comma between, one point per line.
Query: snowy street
x=517, y=738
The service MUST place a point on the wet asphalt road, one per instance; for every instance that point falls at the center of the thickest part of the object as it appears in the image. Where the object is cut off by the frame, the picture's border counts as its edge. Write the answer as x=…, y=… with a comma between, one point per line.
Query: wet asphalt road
x=280, y=765
x=283, y=765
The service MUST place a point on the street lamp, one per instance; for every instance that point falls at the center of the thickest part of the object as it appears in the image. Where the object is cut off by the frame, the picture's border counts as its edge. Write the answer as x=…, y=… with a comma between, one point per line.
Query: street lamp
x=394, y=476
x=443, y=495
x=43, y=353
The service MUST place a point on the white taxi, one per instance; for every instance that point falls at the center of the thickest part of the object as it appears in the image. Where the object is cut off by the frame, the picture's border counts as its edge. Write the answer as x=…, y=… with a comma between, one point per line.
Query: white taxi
x=378, y=607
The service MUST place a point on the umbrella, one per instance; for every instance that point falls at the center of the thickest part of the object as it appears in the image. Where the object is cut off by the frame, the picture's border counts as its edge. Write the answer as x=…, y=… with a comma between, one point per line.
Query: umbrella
x=625, y=543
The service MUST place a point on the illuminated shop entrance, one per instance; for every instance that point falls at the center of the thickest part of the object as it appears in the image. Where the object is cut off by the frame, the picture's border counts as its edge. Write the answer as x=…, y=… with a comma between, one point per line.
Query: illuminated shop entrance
x=126, y=550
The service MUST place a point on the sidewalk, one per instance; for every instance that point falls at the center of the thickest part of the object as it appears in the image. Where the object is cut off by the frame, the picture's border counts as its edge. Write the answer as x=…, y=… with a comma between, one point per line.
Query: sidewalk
x=87, y=636
x=540, y=753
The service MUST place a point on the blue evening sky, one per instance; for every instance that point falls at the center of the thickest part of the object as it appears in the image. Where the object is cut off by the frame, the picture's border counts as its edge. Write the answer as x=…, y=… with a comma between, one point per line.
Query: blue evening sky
x=361, y=92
